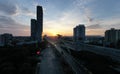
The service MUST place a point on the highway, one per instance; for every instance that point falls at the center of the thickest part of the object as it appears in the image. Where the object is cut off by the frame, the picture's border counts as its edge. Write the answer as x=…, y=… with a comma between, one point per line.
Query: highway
x=77, y=67
x=113, y=65
x=84, y=63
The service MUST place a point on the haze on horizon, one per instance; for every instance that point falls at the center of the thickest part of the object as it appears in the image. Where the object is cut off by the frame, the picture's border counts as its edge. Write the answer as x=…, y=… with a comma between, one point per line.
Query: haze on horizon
x=60, y=16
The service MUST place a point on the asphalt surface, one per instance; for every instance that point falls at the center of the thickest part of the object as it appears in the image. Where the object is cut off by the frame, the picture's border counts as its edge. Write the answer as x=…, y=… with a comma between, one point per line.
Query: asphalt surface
x=76, y=67
x=50, y=63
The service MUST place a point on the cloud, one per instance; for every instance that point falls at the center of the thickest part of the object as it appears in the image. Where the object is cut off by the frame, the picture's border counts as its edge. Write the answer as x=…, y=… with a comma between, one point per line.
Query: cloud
x=94, y=26
x=9, y=25
x=85, y=9
x=8, y=7
x=105, y=24
x=95, y=32
x=82, y=3
x=64, y=24
x=112, y=22
x=68, y=19
x=26, y=12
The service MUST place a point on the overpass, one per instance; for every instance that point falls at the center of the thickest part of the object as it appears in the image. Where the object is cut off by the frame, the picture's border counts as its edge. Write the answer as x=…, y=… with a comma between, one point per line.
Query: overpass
x=112, y=53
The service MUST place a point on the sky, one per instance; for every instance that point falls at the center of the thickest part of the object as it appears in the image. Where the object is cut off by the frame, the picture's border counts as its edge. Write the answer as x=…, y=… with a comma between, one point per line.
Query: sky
x=60, y=16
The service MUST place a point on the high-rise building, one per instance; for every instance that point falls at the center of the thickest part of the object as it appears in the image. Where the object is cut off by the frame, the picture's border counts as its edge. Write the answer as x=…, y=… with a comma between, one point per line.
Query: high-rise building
x=79, y=33
x=33, y=29
x=39, y=23
x=112, y=35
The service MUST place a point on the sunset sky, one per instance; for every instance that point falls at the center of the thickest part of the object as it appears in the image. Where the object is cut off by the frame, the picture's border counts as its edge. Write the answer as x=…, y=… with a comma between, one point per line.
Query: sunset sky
x=60, y=16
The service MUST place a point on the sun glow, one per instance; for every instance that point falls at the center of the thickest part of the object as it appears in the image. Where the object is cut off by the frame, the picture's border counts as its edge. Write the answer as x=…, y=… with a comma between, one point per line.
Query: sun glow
x=51, y=32
x=54, y=33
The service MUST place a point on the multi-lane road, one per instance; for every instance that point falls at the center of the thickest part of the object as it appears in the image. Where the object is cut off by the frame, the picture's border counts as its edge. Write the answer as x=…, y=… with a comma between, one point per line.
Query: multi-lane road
x=51, y=64
x=100, y=63
x=76, y=66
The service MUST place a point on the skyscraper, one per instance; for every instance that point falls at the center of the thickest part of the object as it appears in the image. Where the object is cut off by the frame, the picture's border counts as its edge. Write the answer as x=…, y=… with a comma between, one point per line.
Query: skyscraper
x=79, y=33
x=39, y=23
x=33, y=29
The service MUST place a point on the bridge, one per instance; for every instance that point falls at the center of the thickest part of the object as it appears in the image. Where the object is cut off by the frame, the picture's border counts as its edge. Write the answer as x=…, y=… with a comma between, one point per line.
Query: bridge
x=112, y=53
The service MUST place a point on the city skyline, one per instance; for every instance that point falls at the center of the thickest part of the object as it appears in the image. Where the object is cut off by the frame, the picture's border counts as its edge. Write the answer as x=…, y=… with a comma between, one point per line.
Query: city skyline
x=60, y=18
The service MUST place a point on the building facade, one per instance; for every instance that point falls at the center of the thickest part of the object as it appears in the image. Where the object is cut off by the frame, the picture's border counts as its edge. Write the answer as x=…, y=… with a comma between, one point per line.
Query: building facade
x=79, y=33
x=112, y=35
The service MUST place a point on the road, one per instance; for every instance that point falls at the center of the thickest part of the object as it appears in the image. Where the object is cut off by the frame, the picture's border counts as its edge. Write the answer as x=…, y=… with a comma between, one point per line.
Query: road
x=77, y=67
x=91, y=64
x=50, y=62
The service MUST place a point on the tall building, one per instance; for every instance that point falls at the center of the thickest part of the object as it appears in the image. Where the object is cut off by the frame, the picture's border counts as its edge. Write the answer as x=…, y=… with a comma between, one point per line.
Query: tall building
x=79, y=33
x=39, y=23
x=33, y=29
x=112, y=35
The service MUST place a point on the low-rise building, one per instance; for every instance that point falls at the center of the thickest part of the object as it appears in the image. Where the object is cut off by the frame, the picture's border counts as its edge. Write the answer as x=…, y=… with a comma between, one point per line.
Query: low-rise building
x=5, y=39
